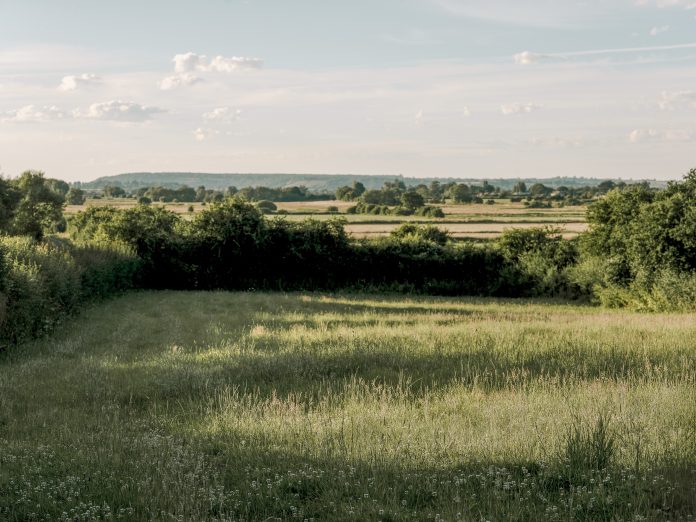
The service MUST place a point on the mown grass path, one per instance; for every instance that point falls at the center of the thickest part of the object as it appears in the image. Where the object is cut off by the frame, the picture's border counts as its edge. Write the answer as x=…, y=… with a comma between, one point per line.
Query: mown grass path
x=267, y=406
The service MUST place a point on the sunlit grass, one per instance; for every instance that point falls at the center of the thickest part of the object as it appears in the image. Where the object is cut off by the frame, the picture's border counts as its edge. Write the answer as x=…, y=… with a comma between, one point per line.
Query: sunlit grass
x=262, y=406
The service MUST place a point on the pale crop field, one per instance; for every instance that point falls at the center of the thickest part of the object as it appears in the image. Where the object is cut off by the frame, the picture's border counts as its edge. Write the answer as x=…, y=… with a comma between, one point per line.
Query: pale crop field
x=270, y=406
x=466, y=221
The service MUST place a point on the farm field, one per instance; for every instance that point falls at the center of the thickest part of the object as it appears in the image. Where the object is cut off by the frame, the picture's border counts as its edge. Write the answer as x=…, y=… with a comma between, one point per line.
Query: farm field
x=270, y=406
x=473, y=221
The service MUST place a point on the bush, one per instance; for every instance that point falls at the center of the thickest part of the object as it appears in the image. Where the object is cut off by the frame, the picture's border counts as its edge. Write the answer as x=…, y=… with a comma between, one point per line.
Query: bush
x=267, y=207
x=414, y=232
x=44, y=281
x=428, y=211
x=333, y=209
x=543, y=258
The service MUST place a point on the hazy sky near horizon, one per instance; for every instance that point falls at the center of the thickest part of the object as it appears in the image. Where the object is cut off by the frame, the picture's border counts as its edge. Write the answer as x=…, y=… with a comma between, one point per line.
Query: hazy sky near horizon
x=470, y=88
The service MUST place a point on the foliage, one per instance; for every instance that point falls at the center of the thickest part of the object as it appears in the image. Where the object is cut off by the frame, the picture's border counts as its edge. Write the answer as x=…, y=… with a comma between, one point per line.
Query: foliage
x=543, y=257
x=411, y=232
x=75, y=196
x=266, y=206
x=39, y=208
x=42, y=282
x=648, y=241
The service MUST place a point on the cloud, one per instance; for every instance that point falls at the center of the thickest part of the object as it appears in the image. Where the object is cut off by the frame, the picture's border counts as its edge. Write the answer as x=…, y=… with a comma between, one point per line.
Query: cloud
x=190, y=62
x=201, y=134
x=179, y=80
x=655, y=31
x=529, y=58
x=117, y=110
x=655, y=136
x=235, y=63
x=677, y=100
x=663, y=4
x=34, y=114
x=519, y=108
x=222, y=115
x=186, y=64
x=72, y=83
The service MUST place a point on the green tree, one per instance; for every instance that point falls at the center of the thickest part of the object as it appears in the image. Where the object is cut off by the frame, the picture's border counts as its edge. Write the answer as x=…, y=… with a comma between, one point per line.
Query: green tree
x=519, y=188
x=40, y=208
x=9, y=199
x=75, y=196
x=461, y=193
x=111, y=191
x=58, y=185
x=412, y=200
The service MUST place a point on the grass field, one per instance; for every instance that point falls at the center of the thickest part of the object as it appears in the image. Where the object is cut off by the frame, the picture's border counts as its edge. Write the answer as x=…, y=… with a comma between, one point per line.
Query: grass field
x=238, y=406
x=462, y=221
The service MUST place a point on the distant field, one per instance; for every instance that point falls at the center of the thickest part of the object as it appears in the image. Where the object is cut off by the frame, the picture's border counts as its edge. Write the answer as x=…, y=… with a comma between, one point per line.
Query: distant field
x=463, y=221
x=268, y=406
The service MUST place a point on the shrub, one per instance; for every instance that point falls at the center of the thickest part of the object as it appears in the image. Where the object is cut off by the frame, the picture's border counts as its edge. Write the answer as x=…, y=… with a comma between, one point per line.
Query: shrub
x=414, y=232
x=44, y=281
x=267, y=207
x=428, y=211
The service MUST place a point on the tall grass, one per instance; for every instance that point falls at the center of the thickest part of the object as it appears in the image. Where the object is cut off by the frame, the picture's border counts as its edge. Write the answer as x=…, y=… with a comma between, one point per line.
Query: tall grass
x=238, y=406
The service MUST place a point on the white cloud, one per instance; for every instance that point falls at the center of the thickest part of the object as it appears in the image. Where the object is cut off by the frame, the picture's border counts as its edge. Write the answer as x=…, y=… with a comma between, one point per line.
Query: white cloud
x=677, y=100
x=234, y=63
x=529, y=58
x=72, y=83
x=187, y=62
x=34, y=114
x=222, y=115
x=190, y=62
x=655, y=31
x=117, y=110
x=179, y=80
x=655, y=135
x=201, y=134
x=519, y=108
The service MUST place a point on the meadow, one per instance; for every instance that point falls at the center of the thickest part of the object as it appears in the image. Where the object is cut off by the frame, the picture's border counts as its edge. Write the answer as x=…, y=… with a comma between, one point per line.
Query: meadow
x=465, y=221
x=274, y=406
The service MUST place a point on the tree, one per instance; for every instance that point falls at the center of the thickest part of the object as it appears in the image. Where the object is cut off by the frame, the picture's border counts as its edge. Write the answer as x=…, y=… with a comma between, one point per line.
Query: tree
x=40, y=208
x=461, y=193
x=75, y=196
x=519, y=188
x=344, y=193
x=9, y=199
x=58, y=185
x=358, y=189
x=412, y=200
x=111, y=191
x=540, y=190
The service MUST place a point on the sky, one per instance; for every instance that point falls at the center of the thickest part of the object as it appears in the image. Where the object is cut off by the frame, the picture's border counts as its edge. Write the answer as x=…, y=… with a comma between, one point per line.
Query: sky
x=425, y=88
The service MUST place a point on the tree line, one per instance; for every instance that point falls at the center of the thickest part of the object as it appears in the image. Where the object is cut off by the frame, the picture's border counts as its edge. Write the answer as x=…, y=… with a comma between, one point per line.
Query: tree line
x=639, y=252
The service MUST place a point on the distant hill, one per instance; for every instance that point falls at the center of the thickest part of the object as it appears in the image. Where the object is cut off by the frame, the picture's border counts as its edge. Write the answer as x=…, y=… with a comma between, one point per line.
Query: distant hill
x=314, y=182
